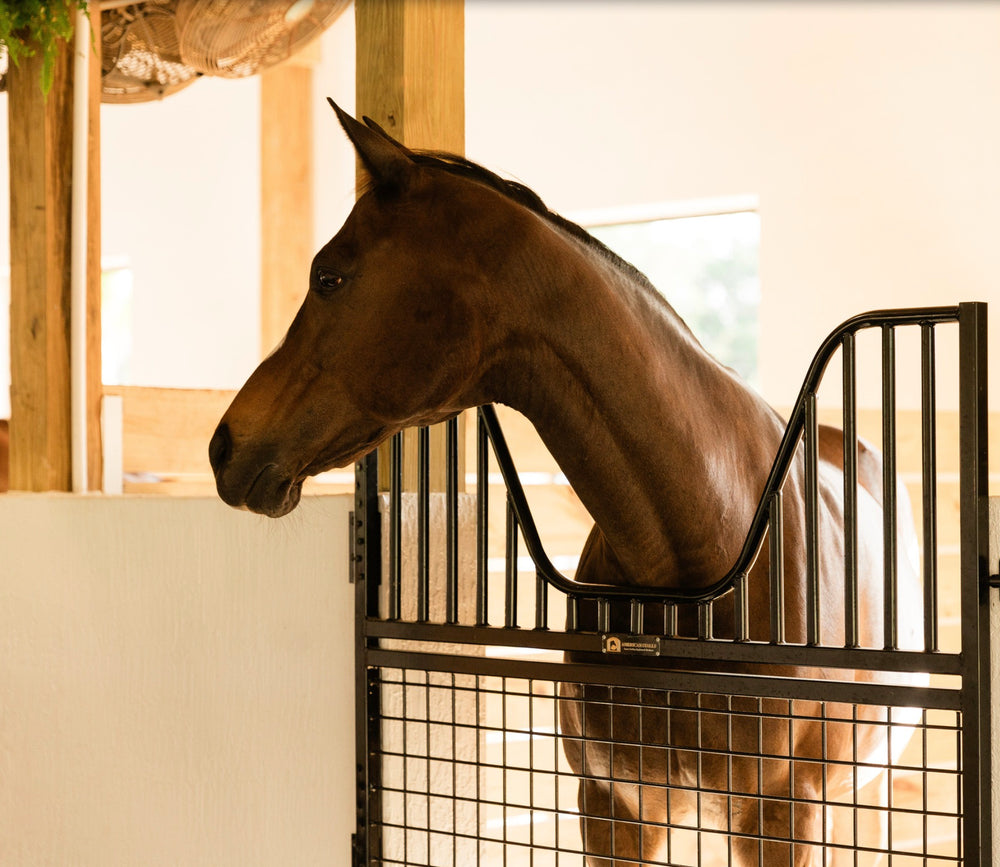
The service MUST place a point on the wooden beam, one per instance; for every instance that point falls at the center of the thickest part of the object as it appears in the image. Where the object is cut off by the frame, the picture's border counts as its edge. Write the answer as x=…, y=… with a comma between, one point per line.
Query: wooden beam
x=95, y=451
x=411, y=70
x=411, y=80
x=286, y=190
x=165, y=430
x=40, y=140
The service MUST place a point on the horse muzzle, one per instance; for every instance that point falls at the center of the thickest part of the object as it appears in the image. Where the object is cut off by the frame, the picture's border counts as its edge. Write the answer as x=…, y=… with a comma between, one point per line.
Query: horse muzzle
x=257, y=485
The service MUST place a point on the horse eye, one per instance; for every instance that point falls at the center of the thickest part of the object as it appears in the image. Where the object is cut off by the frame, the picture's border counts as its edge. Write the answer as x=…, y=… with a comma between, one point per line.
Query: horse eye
x=329, y=280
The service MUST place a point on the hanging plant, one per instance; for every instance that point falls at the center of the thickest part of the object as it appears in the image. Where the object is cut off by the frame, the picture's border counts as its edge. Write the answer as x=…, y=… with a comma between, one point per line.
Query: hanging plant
x=29, y=26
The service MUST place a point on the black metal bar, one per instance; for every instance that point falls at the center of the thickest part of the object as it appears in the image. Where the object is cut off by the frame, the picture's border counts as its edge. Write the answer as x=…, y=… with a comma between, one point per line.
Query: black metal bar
x=705, y=625
x=423, y=523
x=620, y=674
x=889, y=545
x=776, y=571
x=811, y=439
x=973, y=438
x=603, y=615
x=541, y=603
x=510, y=568
x=928, y=410
x=636, y=617
x=741, y=610
x=395, y=528
x=670, y=620
x=850, y=411
x=482, y=523
x=451, y=521
x=862, y=659
x=367, y=554
x=572, y=613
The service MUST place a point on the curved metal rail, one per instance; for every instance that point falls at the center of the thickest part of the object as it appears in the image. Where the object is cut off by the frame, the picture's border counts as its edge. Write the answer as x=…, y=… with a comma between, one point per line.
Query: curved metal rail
x=804, y=408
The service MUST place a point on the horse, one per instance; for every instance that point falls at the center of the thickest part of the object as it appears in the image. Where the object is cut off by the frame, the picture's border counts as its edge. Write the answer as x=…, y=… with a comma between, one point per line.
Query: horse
x=449, y=287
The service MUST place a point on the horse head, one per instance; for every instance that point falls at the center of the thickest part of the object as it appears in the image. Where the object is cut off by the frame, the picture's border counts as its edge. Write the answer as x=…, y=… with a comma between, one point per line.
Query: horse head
x=391, y=333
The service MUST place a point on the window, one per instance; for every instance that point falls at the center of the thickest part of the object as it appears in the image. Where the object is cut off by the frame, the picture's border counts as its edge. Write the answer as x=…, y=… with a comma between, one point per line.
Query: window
x=116, y=320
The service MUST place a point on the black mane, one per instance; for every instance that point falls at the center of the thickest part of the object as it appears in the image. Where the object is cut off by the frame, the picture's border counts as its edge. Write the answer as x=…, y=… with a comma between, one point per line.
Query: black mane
x=517, y=192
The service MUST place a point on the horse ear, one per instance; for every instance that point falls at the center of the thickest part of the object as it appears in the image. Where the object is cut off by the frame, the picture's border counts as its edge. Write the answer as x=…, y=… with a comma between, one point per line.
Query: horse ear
x=377, y=128
x=386, y=160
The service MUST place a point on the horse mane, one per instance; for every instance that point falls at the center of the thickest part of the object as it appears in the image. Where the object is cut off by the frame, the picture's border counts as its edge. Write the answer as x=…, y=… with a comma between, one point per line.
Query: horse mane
x=517, y=192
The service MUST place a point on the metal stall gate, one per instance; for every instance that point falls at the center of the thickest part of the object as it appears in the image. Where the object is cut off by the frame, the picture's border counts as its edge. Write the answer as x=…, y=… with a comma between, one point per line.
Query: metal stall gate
x=470, y=656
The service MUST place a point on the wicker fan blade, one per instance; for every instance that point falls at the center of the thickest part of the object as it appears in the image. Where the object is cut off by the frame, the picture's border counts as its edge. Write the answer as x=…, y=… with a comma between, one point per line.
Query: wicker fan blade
x=141, y=56
x=236, y=38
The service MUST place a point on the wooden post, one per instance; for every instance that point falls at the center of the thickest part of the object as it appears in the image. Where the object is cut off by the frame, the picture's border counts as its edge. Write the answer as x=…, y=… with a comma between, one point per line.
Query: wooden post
x=286, y=163
x=411, y=80
x=40, y=137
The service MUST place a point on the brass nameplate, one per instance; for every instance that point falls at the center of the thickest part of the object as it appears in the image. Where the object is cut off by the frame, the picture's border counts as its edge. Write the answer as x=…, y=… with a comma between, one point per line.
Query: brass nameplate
x=645, y=645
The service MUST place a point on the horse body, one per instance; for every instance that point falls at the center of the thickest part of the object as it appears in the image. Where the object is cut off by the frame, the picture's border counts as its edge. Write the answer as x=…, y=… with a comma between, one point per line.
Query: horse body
x=449, y=288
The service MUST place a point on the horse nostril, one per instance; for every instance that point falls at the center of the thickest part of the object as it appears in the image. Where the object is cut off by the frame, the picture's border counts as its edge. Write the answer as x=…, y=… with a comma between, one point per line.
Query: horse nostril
x=220, y=448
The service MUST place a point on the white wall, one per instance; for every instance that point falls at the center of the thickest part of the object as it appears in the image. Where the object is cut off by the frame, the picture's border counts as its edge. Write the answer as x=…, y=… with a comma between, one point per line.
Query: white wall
x=176, y=683
x=181, y=202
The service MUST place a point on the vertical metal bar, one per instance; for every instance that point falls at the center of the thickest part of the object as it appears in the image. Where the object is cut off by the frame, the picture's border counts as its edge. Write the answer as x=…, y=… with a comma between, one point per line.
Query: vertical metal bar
x=455, y=824
x=451, y=521
x=405, y=729
x=429, y=742
x=811, y=437
x=850, y=492
x=395, y=528
x=928, y=410
x=889, y=539
x=776, y=552
x=741, y=614
x=670, y=620
x=482, y=521
x=367, y=553
x=572, y=614
x=603, y=615
x=531, y=765
x=973, y=438
x=636, y=616
x=541, y=602
x=705, y=621
x=510, y=568
x=423, y=524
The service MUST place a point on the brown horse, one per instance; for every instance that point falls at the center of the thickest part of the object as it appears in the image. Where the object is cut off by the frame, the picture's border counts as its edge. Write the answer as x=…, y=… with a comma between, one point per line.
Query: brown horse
x=448, y=288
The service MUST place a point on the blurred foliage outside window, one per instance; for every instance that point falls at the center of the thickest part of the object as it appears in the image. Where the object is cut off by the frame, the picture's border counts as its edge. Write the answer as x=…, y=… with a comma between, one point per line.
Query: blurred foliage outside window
x=707, y=269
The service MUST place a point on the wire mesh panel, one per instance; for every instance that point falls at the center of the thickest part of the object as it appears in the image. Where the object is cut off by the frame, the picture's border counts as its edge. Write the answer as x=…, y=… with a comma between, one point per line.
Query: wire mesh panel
x=510, y=715
x=476, y=772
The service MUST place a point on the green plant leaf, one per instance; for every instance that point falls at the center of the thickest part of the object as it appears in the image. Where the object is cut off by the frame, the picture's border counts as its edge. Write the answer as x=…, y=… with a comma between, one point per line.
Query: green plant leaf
x=28, y=26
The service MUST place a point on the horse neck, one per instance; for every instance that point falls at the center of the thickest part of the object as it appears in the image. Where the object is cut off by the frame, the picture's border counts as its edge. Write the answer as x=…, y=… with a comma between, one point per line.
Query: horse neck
x=667, y=449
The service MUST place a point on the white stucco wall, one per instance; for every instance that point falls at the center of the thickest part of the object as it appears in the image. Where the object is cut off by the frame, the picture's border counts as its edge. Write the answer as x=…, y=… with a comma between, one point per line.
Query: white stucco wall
x=176, y=683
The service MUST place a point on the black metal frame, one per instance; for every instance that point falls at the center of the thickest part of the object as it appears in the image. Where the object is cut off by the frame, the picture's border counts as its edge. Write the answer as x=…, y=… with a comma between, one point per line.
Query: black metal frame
x=378, y=627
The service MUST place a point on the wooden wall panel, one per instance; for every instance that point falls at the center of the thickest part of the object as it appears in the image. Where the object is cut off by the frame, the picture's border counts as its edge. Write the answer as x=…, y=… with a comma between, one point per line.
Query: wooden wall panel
x=40, y=153
x=286, y=161
x=40, y=141
x=411, y=81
